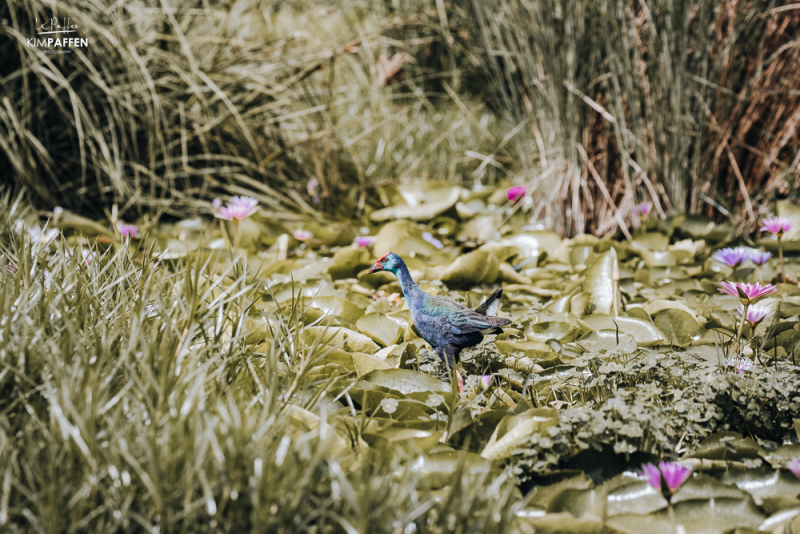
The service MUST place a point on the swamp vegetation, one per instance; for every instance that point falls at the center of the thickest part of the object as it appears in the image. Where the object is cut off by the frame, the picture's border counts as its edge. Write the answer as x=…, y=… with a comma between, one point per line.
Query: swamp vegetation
x=165, y=380
x=169, y=366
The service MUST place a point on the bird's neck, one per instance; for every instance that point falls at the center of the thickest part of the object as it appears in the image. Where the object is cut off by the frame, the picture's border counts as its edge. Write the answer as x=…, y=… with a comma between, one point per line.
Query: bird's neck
x=411, y=290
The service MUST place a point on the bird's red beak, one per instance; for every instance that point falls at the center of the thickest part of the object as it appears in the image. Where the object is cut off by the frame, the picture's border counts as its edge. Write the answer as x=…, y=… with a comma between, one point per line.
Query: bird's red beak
x=376, y=267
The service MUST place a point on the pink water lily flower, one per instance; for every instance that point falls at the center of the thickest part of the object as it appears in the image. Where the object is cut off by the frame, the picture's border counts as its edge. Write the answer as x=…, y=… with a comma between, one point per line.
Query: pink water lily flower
x=127, y=230
x=643, y=209
x=485, y=381
x=674, y=474
x=364, y=240
x=755, y=313
x=794, y=466
x=739, y=365
x=652, y=475
x=302, y=235
x=758, y=257
x=746, y=292
x=776, y=225
x=238, y=208
x=670, y=473
x=515, y=193
x=88, y=256
x=732, y=256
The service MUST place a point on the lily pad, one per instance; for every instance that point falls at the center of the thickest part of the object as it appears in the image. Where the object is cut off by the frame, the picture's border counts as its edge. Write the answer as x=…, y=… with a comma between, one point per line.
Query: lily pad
x=678, y=326
x=515, y=430
x=601, y=282
x=337, y=335
x=380, y=328
x=645, y=333
x=477, y=267
x=421, y=203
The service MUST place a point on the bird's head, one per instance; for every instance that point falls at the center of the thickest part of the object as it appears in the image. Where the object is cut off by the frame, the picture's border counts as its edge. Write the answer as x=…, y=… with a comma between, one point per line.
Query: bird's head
x=388, y=262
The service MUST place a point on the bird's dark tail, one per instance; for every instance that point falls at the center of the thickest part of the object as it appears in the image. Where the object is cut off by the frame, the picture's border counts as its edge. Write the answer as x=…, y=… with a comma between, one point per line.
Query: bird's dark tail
x=490, y=306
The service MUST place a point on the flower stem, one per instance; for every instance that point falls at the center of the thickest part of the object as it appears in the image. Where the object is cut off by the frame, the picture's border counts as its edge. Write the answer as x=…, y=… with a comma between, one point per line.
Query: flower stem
x=780, y=254
x=741, y=328
x=237, y=234
x=671, y=514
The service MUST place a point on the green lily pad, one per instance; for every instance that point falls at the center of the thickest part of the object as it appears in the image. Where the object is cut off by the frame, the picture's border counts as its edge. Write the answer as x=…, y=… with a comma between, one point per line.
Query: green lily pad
x=347, y=262
x=404, y=238
x=406, y=382
x=339, y=336
x=644, y=332
x=677, y=325
x=380, y=328
x=515, y=430
x=422, y=203
x=601, y=282
x=477, y=267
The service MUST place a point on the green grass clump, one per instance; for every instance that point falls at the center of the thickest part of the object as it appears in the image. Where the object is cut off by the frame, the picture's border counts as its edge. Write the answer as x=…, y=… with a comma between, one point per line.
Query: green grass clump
x=133, y=399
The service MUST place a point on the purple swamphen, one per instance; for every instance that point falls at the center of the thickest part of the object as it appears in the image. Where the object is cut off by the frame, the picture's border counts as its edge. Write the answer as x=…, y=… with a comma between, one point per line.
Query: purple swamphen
x=446, y=325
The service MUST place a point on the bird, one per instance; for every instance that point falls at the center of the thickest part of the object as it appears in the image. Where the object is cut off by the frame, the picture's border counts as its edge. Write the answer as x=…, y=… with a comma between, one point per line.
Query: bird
x=444, y=324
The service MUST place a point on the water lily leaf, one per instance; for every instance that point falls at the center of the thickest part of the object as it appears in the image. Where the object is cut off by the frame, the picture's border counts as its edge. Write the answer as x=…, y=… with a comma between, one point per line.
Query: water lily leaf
x=651, y=241
x=469, y=209
x=412, y=439
x=698, y=227
x=655, y=306
x=477, y=267
x=364, y=363
x=481, y=229
x=579, y=254
x=527, y=245
x=638, y=313
x=438, y=468
x=515, y=430
x=611, y=342
x=771, y=489
x=601, y=282
x=644, y=332
x=540, y=353
x=702, y=486
x=628, y=495
x=337, y=307
x=510, y=276
x=541, y=332
x=339, y=336
x=580, y=304
x=724, y=508
x=727, y=446
x=421, y=203
x=380, y=328
x=677, y=325
x=255, y=232
x=347, y=262
x=404, y=238
x=544, y=496
x=406, y=382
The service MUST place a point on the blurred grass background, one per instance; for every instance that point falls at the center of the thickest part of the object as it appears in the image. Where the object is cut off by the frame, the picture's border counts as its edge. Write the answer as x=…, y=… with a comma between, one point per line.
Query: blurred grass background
x=313, y=106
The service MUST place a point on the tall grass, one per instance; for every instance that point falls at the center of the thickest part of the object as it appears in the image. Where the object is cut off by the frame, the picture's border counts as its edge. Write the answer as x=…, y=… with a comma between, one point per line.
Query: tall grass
x=136, y=396
x=597, y=104
x=649, y=101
